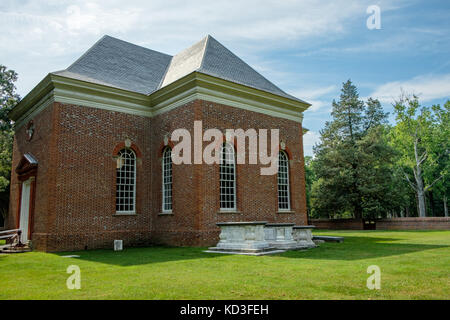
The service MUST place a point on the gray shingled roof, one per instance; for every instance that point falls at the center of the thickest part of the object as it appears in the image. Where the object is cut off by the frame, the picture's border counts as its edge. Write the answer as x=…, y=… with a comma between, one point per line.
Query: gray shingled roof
x=121, y=64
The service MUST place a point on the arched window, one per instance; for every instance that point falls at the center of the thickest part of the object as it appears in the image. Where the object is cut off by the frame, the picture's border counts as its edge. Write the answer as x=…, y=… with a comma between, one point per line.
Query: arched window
x=126, y=181
x=227, y=178
x=167, y=180
x=283, y=182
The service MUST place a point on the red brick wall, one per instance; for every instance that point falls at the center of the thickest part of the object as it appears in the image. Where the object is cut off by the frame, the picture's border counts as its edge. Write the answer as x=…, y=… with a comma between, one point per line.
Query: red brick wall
x=84, y=213
x=180, y=228
x=196, y=187
x=75, y=206
x=41, y=146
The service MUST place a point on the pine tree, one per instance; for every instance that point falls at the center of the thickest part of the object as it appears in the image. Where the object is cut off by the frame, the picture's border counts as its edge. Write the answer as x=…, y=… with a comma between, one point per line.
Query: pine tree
x=353, y=159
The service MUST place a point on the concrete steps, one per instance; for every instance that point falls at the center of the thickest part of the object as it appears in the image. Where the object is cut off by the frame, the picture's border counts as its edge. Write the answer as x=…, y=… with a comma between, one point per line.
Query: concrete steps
x=8, y=248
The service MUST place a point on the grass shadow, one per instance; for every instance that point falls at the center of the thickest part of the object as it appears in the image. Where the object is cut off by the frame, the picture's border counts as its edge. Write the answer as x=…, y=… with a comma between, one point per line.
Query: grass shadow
x=358, y=248
x=365, y=246
x=141, y=255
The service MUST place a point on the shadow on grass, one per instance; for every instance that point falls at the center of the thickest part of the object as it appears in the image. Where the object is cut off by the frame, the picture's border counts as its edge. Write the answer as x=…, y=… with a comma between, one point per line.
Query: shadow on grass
x=353, y=248
x=141, y=256
x=358, y=248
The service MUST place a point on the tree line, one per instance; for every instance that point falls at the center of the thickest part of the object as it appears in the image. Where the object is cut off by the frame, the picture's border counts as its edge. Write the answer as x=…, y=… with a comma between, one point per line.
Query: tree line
x=364, y=167
x=8, y=98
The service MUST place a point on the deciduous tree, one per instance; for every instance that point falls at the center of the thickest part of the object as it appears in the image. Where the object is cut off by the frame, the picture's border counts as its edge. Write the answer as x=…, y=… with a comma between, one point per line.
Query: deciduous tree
x=8, y=98
x=421, y=135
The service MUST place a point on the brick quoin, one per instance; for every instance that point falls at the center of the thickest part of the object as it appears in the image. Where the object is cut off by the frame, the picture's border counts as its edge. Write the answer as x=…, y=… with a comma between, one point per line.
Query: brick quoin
x=76, y=147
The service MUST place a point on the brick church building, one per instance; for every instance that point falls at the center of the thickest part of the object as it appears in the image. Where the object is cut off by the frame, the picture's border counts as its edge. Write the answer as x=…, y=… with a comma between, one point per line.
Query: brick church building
x=92, y=150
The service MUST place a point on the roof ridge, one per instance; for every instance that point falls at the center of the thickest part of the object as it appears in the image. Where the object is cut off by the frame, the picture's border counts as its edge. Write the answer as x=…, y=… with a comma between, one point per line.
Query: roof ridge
x=204, y=69
x=204, y=51
x=188, y=60
x=164, y=75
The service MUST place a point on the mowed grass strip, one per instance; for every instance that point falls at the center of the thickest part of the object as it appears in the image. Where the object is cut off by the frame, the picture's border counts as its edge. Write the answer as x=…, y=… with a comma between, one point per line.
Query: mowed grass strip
x=414, y=265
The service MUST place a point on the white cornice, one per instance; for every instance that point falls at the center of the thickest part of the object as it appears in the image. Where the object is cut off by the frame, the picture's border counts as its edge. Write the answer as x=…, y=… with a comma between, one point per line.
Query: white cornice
x=37, y=107
x=56, y=88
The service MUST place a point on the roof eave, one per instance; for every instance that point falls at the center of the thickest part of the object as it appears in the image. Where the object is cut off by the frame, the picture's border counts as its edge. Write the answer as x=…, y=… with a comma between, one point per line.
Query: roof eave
x=56, y=85
x=39, y=91
x=64, y=89
x=205, y=80
x=197, y=85
x=251, y=91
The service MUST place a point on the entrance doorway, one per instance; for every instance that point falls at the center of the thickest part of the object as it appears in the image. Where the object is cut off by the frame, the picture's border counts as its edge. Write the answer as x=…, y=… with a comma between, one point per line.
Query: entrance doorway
x=24, y=219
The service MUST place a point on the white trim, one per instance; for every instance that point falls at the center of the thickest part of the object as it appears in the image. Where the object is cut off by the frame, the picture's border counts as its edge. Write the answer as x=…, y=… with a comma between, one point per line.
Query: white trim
x=245, y=90
x=195, y=86
x=228, y=100
x=24, y=218
x=166, y=213
x=125, y=213
x=104, y=103
x=176, y=101
x=37, y=108
x=251, y=106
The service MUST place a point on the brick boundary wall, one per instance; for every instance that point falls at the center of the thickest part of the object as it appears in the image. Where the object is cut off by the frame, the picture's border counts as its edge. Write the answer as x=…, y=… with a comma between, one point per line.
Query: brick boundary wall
x=410, y=223
x=429, y=223
x=337, y=224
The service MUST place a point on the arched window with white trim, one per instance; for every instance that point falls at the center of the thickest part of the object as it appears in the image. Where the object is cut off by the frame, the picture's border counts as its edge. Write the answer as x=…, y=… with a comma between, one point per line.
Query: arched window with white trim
x=283, y=182
x=167, y=180
x=126, y=182
x=227, y=178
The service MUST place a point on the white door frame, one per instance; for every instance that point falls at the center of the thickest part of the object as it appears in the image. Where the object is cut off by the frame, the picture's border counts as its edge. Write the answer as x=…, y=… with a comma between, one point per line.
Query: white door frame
x=25, y=202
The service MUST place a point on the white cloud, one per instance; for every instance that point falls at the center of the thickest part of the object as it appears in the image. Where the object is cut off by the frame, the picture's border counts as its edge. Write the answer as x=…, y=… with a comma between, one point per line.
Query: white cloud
x=314, y=93
x=315, y=96
x=310, y=139
x=38, y=37
x=427, y=87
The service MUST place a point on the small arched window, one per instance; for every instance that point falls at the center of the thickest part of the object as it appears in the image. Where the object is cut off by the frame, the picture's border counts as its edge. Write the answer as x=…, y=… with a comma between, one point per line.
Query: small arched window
x=227, y=178
x=283, y=182
x=126, y=181
x=167, y=180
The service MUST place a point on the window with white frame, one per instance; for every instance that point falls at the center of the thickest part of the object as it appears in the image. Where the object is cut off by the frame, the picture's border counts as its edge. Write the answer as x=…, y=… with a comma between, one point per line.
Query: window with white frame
x=126, y=181
x=283, y=182
x=167, y=180
x=227, y=178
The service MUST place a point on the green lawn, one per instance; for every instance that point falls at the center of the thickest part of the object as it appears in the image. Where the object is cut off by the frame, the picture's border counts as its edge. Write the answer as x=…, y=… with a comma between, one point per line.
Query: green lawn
x=414, y=265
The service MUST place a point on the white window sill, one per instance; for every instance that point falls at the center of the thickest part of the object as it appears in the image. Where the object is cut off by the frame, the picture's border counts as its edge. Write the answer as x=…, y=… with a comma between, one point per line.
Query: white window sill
x=165, y=213
x=285, y=211
x=125, y=214
x=234, y=211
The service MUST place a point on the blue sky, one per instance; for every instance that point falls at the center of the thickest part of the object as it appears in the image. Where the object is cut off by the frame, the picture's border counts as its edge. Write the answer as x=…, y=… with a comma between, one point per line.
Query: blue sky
x=307, y=48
